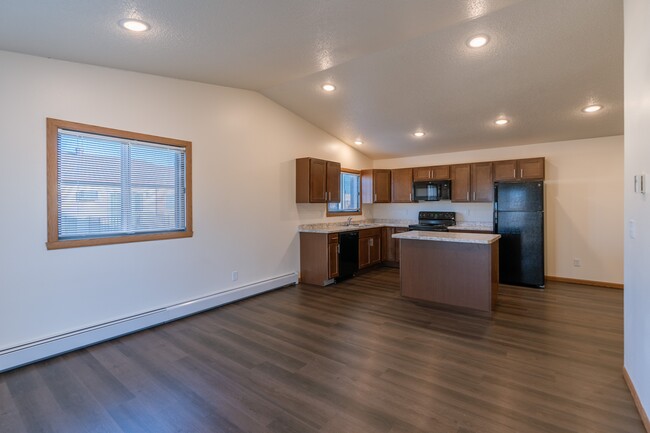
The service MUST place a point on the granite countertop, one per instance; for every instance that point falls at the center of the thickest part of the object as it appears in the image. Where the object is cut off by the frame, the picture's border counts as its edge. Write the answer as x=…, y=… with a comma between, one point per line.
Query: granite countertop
x=466, y=238
x=356, y=225
x=377, y=223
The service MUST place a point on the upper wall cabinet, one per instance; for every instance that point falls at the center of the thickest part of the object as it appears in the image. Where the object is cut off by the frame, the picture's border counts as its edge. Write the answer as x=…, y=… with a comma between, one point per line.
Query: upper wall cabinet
x=519, y=169
x=402, y=185
x=317, y=181
x=472, y=183
x=375, y=186
x=439, y=172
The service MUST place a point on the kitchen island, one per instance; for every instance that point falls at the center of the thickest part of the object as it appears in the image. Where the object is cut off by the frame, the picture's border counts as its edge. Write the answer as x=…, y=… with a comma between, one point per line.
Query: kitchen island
x=455, y=269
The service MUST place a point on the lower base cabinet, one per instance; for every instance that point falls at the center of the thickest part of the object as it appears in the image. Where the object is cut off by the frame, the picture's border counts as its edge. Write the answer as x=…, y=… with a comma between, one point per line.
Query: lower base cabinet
x=369, y=247
x=319, y=258
x=333, y=255
x=390, y=247
x=319, y=253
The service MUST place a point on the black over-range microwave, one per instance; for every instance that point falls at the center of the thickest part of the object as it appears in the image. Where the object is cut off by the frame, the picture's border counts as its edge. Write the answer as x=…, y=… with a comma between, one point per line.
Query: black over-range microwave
x=432, y=190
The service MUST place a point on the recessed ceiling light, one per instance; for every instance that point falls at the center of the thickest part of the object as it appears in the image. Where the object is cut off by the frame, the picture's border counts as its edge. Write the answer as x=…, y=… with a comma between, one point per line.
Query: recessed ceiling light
x=328, y=87
x=592, y=108
x=134, y=25
x=478, y=41
x=501, y=122
x=358, y=142
x=419, y=134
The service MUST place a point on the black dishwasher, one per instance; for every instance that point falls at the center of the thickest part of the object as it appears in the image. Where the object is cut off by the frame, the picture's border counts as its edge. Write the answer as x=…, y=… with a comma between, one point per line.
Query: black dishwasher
x=348, y=254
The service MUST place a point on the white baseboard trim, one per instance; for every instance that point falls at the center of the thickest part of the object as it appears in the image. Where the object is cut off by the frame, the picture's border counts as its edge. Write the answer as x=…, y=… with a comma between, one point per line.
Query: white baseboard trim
x=18, y=356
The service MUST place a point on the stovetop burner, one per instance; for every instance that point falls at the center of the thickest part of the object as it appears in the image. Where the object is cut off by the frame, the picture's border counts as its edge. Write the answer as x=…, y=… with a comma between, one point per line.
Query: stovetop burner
x=434, y=221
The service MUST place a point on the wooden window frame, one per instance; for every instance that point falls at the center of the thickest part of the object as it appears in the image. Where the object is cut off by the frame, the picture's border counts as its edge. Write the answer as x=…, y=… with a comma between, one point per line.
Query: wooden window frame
x=339, y=214
x=53, y=241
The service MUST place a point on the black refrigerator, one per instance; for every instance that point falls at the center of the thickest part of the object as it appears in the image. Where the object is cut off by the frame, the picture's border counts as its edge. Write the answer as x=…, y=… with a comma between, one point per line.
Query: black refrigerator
x=519, y=219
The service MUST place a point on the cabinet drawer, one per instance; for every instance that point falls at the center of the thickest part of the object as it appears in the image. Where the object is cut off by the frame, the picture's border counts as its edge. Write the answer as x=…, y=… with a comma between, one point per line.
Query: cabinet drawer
x=367, y=233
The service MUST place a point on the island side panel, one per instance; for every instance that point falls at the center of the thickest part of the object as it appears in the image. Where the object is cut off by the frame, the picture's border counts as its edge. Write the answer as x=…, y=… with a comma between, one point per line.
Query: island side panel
x=495, y=272
x=457, y=274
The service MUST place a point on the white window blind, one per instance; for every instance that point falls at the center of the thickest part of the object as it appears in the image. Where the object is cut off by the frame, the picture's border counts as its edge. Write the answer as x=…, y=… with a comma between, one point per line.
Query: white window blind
x=110, y=186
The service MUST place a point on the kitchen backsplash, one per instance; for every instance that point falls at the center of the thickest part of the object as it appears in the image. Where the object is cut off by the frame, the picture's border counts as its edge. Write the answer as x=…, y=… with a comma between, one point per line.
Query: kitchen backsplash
x=480, y=212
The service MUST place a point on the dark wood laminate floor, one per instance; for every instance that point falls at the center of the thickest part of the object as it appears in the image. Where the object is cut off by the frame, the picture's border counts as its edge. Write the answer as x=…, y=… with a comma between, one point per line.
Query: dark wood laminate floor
x=349, y=358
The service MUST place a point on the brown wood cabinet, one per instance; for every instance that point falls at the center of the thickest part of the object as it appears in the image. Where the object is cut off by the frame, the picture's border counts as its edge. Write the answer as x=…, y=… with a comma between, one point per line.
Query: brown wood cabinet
x=319, y=259
x=369, y=247
x=317, y=181
x=375, y=186
x=439, y=172
x=390, y=247
x=472, y=183
x=402, y=185
x=519, y=169
x=333, y=255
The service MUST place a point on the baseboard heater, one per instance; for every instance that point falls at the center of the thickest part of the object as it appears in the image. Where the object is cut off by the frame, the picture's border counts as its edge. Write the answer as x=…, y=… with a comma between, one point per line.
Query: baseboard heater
x=18, y=356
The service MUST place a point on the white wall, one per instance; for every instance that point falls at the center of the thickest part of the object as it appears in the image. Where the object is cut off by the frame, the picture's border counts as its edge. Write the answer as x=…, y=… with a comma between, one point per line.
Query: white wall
x=245, y=215
x=583, y=208
x=637, y=206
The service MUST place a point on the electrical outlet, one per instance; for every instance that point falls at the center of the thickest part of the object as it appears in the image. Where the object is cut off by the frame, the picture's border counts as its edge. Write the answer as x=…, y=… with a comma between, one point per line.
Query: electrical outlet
x=235, y=275
x=576, y=263
x=632, y=229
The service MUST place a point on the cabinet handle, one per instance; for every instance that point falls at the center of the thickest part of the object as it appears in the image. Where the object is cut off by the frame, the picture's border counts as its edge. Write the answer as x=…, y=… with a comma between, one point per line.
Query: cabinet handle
x=514, y=173
x=474, y=196
x=521, y=173
x=338, y=248
x=467, y=195
x=410, y=196
x=430, y=174
x=375, y=197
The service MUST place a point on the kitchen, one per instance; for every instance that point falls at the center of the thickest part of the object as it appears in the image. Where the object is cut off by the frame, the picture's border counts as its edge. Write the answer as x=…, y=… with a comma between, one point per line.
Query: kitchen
x=579, y=193
x=246, y=218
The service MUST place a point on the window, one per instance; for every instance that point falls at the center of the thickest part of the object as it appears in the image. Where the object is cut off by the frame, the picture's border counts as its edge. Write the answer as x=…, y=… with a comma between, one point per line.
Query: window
x=107, y=186
x=350, y=203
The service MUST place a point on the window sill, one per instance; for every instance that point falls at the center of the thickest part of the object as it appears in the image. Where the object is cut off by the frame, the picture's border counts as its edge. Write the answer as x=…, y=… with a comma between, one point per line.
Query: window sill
x=75, y=243
x=342, y=214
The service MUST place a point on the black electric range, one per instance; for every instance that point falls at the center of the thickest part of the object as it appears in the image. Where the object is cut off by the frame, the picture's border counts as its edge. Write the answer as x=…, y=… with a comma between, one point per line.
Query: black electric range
x=434, y=221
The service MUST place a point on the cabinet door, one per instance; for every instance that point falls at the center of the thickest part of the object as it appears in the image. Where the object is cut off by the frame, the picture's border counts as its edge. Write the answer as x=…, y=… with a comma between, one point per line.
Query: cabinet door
x=402, y=185
x=375, y=249
x=397, y=243
x=364, y=252
x=333, y=259
x=531, y=169
x=482, y=184
x=440, y=172
x=505, y=170
x=333, y=182
x=381, y=185
x=317, y=181
x=460, y=182
x=387, y=244
x=421, y=173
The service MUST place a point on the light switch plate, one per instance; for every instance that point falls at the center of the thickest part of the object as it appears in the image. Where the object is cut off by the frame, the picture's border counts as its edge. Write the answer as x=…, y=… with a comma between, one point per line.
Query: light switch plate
x=642, y=181
x=639, y=183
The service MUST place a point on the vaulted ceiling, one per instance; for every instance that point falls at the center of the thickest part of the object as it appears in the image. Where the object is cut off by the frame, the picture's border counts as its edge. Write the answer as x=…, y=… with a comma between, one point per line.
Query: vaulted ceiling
x=398, y=66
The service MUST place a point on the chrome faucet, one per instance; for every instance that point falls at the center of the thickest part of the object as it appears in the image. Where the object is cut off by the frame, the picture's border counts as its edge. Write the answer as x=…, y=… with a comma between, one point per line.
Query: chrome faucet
x=349, y=221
